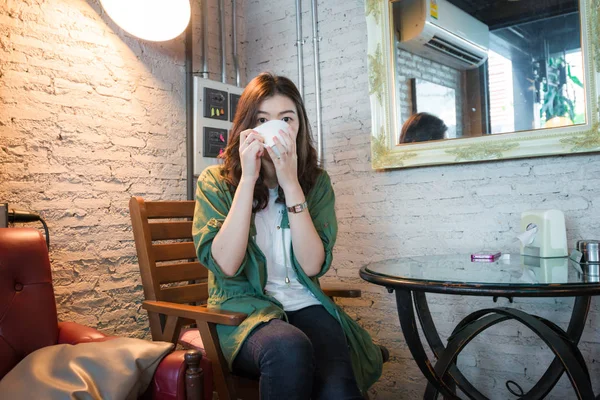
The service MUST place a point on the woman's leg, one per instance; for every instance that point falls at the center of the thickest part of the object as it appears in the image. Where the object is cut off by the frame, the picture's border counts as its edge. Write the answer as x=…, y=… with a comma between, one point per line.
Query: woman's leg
x=334, y=377
x=281, y=356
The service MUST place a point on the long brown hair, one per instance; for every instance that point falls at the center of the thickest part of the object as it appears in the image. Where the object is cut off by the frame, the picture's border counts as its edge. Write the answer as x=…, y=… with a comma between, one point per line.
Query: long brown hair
x=421, y=127
x=260, y=88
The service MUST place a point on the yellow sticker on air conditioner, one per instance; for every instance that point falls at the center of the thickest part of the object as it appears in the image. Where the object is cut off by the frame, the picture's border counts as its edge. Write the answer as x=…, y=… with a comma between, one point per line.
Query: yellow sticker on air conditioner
x=433, y=8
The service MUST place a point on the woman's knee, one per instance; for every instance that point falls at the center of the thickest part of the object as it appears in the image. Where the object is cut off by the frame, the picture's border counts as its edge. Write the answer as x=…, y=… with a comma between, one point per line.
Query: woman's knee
x=290, y=348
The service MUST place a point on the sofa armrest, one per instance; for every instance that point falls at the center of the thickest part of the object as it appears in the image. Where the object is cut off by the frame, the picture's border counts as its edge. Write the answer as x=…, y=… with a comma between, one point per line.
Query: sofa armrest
x=169, y=379
x=73, y=333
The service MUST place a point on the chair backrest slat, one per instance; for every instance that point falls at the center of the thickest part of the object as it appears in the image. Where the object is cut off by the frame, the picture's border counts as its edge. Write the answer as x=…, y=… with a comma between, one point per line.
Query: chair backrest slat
x=181, y=272
x=193, y=293
x=171, y=230
x=174, y=251
x=169, y=266
x=170, y=209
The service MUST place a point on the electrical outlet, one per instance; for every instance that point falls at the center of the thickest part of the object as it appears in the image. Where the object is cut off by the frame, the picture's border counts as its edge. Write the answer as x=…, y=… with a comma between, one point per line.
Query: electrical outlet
x=211, y=128
x=215, y=104
x=215, y=140
x=3, y=215
x=233, y=103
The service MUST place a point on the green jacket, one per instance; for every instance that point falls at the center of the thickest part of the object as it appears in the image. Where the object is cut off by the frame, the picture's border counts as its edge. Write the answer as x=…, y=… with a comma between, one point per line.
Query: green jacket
x=244, y=292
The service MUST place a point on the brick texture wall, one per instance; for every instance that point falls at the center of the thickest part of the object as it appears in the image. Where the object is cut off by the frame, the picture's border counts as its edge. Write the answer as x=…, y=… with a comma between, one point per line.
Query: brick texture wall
x=430, y=210
x=411, y=66
x=90, y=116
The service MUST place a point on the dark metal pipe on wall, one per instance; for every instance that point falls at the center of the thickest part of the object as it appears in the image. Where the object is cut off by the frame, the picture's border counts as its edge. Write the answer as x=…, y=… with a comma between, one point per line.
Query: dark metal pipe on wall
x=222, y=29
x=316, y=39
x=205, y=39
x=299, y=44
x=236, y=64
x=189, y=110
x=189, y=75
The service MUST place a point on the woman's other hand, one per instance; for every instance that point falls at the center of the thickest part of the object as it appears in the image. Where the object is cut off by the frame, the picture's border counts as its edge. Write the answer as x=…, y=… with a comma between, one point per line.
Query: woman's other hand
x=251, y=150
x=286, y=165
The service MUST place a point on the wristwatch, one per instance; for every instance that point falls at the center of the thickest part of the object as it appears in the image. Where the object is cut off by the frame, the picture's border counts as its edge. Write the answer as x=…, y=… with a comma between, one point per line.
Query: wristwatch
x=298, y=208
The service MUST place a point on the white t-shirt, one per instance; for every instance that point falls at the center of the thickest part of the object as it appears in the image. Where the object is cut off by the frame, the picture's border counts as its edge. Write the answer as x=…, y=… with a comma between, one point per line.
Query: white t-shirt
x=276, y=244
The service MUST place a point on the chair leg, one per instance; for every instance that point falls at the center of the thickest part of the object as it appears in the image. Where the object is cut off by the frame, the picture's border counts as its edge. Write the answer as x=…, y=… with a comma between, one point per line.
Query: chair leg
x=194, y=376
x=221, y=376
x=167, y=332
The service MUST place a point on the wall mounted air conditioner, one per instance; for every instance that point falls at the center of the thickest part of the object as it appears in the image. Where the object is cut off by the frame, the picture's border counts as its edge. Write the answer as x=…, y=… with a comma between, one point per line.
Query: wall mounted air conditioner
x=442, y=32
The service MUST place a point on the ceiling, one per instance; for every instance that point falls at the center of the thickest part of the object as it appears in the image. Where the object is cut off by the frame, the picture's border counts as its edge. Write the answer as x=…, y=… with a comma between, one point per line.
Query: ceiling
x=498, y=14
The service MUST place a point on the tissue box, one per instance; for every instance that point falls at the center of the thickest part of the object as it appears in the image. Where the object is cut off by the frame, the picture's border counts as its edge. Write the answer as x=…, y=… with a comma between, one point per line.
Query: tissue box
x=550, y=239
x=548, y=270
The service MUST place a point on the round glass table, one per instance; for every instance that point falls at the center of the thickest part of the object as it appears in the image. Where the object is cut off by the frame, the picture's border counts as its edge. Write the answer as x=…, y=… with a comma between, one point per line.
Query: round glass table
x=509, y=276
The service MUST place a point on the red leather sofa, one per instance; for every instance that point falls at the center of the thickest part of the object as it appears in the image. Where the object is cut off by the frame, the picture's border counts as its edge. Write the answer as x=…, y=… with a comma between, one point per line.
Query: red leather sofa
x=28, y=319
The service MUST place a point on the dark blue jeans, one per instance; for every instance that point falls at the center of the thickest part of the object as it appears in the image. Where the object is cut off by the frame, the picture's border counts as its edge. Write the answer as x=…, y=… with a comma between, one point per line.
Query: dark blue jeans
x=307, y=358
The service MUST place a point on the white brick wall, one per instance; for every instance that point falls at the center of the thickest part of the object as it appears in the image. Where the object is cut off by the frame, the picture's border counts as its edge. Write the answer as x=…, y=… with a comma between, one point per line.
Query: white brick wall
x=412, y=66
x=429, y=210
x=90, y=116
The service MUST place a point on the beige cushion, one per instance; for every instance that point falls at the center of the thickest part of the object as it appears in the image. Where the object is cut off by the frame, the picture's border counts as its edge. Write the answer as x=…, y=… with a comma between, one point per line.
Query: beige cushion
x=116, y=369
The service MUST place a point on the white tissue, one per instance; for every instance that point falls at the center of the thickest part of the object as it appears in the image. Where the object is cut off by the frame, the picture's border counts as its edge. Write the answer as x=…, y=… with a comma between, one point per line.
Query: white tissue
x=527, y=237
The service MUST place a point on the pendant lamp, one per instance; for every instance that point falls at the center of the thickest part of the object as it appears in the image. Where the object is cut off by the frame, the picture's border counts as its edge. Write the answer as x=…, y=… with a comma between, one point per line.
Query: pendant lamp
x=154, y=20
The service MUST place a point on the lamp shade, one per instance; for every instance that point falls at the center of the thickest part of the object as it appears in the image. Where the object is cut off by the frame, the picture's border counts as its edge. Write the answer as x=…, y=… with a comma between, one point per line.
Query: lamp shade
x=154, y=20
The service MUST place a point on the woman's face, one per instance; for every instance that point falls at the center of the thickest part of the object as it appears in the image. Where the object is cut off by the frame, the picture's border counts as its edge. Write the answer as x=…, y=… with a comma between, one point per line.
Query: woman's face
x=279, y=107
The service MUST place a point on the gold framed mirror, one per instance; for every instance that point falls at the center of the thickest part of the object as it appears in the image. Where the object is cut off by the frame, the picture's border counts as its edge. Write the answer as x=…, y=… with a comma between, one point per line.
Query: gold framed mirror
x=453, y=81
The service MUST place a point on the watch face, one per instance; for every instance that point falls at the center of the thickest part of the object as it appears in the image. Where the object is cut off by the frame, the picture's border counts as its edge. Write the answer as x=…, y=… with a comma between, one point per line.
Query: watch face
x=298, y=207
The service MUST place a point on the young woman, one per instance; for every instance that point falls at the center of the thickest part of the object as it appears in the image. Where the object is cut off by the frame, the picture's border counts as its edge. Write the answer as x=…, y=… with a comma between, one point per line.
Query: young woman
x=421, y=127
x=265, y=227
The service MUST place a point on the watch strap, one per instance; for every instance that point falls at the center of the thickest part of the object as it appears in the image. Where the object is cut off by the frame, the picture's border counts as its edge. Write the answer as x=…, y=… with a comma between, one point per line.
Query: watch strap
x=298, y=208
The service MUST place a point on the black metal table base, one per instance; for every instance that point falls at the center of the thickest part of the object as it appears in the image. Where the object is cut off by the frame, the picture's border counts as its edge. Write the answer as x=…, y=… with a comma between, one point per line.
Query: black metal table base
x=444, y=376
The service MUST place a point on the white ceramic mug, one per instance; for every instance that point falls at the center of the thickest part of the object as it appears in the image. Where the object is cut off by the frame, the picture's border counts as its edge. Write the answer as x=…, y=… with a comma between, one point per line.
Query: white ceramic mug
x=269, y=130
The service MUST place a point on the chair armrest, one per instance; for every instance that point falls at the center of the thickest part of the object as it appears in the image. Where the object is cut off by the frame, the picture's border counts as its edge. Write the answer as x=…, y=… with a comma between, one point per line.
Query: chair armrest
x=73, y=333
x=340, y=291
x=168, y=382
x=202, y=313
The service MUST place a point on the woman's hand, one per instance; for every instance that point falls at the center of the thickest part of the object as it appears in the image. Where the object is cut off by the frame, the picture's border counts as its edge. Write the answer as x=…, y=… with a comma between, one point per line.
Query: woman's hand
x=251, y=150
x=286, y=165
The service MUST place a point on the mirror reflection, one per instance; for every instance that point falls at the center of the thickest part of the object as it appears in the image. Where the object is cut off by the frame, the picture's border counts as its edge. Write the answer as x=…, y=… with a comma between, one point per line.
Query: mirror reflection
x=467, y=68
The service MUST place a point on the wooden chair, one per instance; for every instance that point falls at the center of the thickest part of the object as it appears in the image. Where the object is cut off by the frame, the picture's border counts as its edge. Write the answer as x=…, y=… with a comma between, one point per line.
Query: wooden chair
x=176, y=288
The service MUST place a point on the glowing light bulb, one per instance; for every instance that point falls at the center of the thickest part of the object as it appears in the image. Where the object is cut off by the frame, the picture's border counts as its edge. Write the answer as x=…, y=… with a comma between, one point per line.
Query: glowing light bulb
x=154, y=20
